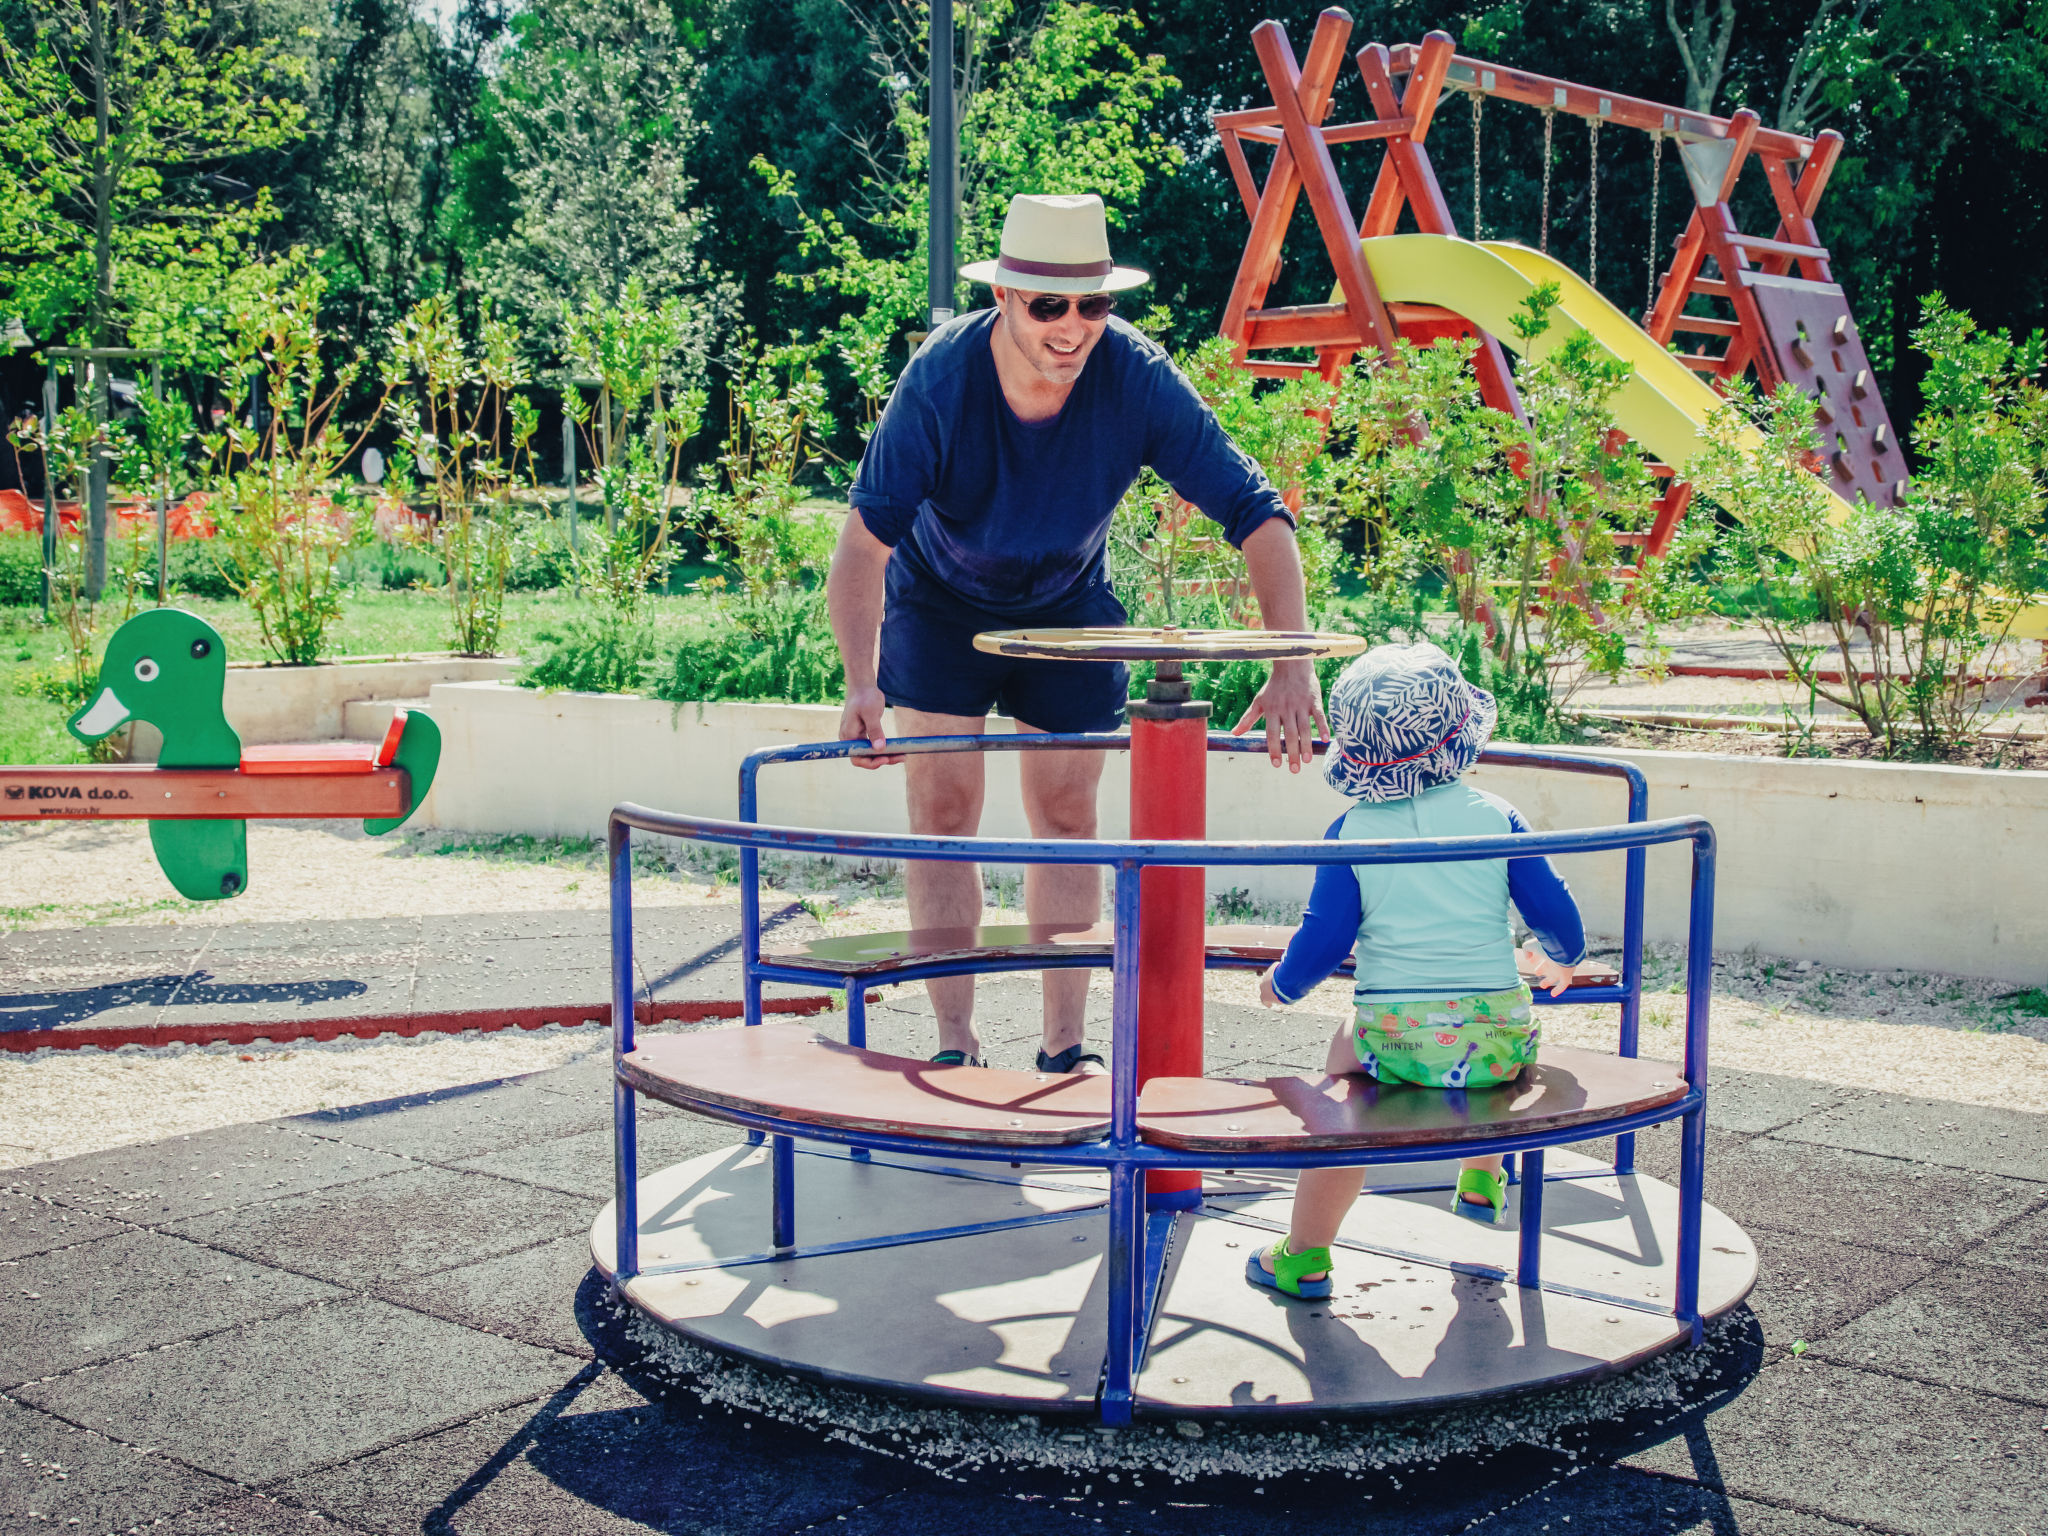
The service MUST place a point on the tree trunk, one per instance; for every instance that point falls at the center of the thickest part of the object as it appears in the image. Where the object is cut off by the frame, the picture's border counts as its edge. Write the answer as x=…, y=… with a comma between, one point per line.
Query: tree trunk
x=1703, y=48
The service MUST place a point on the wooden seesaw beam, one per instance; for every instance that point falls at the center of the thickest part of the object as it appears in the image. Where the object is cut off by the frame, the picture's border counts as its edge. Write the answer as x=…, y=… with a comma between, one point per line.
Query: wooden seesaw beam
x=145, y=792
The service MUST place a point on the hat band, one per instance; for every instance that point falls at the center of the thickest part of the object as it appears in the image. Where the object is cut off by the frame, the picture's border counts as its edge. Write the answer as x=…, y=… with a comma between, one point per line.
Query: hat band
x=1365, y=762
x=1011, y=263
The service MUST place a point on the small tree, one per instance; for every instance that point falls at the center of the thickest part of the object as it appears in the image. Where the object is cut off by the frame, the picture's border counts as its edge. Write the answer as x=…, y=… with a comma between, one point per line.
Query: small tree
x=1895, y=614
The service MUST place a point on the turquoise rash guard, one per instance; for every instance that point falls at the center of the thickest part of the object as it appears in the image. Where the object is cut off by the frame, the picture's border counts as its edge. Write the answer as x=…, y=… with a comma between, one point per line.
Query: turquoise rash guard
x=1429, y=930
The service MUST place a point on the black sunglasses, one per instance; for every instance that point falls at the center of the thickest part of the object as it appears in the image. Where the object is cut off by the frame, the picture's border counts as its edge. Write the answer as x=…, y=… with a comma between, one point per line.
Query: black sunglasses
x=1048, y=307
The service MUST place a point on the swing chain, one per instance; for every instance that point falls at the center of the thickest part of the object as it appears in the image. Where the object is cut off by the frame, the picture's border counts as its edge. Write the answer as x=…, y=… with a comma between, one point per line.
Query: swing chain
x=1543, y=235
x=1650, y=262
x=1593, y=201
x=1478, y=106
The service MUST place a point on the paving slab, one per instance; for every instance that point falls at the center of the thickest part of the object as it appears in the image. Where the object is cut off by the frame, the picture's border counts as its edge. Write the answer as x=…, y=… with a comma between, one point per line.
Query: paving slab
x=255, y=1515
x=598, y=1459
x=2007, y=1142
x=2020, y=1244
x=207, y=1171
x=1808, y=1287
x=408, y=1223
x=1772, y=1185
x=129, y=1292
x=582, y=1165
x=1608, y=1501
x=1964, y=1326
x=1751, y=1103
x=318, y=1386
x=29, y=1225
x=452, y=1124
x=57, y=1474
x=278, y=991
x=533, y=1294
x=1863, y=1448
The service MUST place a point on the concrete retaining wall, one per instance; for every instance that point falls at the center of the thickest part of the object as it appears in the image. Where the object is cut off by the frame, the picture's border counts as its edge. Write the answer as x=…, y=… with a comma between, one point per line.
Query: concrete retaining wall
x=1872, y=865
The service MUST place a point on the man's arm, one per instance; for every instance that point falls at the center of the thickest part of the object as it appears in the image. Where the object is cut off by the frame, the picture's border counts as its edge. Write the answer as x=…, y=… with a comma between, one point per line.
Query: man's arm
x=853, y=595
x=1291, y=703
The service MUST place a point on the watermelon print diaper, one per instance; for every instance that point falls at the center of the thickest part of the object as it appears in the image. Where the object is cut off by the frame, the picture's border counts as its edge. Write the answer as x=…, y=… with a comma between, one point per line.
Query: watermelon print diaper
x=1481, y=1041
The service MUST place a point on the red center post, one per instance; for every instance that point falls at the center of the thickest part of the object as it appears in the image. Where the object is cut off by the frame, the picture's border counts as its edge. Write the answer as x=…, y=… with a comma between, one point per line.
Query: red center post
x=1170, y=799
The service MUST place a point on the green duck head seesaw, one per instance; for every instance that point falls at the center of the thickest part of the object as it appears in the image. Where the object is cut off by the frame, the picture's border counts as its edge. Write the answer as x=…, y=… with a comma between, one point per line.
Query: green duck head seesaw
x=169, y=668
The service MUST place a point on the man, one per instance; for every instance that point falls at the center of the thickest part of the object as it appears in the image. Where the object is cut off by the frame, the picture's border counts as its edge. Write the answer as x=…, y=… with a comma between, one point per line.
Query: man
x=983, y=502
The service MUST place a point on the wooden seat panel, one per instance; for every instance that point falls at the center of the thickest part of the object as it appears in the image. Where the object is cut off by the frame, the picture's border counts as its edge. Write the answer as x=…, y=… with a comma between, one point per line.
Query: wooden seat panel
x=1285, y=1114
x=859, y=954
x=313, y=757
x=790, y=1072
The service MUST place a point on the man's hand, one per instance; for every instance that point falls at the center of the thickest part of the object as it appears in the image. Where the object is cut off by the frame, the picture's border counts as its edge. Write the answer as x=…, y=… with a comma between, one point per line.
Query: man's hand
x=1552, y=976
x=1291, y=704
x=861, y=720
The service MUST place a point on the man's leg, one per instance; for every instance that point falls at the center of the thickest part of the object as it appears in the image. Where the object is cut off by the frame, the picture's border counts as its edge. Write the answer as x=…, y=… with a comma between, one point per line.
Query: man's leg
x=1059, y=801
x=945, y=792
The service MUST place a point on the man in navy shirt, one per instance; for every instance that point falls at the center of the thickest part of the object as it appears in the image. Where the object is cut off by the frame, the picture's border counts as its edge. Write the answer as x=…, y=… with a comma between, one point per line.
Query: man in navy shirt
x=983, y=502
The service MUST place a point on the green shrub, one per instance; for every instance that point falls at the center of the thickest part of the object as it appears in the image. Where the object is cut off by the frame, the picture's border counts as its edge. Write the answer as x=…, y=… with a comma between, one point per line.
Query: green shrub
x=775, y=649
x=382, y=565
x=21, y=569
x=604, y=653
x=542, y=561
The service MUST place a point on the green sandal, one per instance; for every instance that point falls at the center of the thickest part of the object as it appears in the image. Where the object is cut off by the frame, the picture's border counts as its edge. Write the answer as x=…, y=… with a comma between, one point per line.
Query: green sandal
x=1477, y=1181
x=1288, y=1268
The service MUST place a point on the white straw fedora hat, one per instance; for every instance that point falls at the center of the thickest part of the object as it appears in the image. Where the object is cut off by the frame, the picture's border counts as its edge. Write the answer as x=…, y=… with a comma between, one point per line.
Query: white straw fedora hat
x=1055, y=245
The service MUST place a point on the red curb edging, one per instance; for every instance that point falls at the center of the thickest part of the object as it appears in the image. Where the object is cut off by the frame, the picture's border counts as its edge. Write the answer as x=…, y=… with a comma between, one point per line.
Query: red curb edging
x=368, y=1027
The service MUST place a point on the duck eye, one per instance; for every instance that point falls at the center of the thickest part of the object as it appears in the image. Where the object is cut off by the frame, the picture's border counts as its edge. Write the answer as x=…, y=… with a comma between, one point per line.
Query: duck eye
x=146, y=670
x=200, y=648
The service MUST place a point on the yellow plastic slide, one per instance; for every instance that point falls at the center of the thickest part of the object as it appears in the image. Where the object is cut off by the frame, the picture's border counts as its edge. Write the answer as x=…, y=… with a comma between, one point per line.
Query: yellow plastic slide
x=1664, y=405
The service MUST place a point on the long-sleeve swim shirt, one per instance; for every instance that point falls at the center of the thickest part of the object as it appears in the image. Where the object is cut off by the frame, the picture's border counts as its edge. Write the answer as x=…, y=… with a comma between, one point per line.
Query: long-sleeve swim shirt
x=1013, y=516
x=1429, y=930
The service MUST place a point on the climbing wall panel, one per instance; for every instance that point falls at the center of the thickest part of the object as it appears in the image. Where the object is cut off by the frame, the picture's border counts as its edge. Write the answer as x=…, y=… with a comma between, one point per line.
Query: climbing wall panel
x=1813, y=343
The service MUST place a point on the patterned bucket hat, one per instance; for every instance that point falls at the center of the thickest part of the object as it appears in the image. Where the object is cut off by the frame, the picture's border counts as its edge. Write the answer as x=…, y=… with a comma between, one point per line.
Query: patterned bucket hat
x=1403, y=719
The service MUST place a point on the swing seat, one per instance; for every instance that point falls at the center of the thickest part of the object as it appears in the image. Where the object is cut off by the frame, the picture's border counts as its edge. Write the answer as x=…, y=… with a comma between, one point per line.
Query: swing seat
x=327, y=757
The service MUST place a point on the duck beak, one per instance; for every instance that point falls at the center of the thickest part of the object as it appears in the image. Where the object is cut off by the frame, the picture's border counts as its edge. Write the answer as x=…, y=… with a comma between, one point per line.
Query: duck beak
x=107, y=712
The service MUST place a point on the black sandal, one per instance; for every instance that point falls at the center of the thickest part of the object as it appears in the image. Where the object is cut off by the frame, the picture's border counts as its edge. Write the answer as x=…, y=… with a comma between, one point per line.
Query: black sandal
x=958, y=1059
x=1069, y=1060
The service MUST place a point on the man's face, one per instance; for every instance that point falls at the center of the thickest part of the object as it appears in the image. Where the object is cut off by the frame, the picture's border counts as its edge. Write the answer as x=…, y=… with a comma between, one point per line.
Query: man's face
x=1055, y=349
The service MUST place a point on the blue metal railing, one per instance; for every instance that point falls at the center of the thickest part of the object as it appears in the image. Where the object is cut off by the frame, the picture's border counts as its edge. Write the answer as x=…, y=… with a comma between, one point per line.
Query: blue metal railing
x=1121, y=1153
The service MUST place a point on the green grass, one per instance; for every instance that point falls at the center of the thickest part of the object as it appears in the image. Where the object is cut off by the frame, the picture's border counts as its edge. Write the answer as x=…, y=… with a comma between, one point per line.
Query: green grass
x=373, y=623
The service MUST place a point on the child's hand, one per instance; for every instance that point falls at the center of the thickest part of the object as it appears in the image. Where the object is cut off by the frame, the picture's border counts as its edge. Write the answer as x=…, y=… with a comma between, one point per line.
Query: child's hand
x=1552, y=975
x=1266, y=993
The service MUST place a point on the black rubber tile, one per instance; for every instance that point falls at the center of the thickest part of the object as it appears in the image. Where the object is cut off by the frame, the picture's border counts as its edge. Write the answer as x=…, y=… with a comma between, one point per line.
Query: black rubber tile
x=1965, y=1326
x=598, y=1459
x=442, y=931
x=1613, y=1501
x=1768, y=1184
x=130, y=1292
x=56, y=1474
x=529, y=1295
x=29, y=1225
x=130, y=999
x=451, y=1124
x=1233, y=1032
x=282, y=989
x=1751, y=1103
x=207, y=1171
x=315, y=1387
x=115, y=946
x=2021, y=1244
x=512, y=973
x=1863, y=1448
x=406, y=1224
x=948, y=1509
x=582, y=1165
x=381, y=940
x=254, y=1515
x=2007, y=1142
x=1809, y=1286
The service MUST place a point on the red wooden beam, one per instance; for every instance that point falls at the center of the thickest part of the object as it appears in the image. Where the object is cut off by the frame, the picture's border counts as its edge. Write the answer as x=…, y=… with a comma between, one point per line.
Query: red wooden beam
x=145, y=792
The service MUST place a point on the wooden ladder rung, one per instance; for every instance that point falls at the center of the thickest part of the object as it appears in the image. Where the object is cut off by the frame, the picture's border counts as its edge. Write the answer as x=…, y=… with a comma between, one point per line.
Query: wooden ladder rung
x=1701, y=364
x=1707, y=327
x=1763, y=247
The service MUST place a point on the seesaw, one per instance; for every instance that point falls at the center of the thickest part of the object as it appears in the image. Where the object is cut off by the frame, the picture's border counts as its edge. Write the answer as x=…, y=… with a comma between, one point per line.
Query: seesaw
x=169, y=668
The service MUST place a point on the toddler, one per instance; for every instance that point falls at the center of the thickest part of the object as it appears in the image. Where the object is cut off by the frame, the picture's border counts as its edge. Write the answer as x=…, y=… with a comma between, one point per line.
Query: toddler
x=1439, y=1000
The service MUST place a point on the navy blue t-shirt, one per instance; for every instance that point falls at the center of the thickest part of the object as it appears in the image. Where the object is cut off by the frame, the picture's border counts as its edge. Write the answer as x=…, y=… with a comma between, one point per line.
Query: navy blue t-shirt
x=1013, y=516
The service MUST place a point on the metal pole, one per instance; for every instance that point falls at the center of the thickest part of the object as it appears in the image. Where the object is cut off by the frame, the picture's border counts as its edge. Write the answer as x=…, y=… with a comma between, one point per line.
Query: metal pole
x=163, y=492
x=569, y=484
x=1692, y=1143
x=96, y=487
x=625, y=1129
x=49, y=489
x=943, y=152
x=1126, y=1183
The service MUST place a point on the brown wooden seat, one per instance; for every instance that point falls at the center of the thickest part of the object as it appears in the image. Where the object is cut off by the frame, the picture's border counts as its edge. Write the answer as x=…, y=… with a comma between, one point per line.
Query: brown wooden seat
x=862, y=954
x=1566, y=1087
x=790, y=1072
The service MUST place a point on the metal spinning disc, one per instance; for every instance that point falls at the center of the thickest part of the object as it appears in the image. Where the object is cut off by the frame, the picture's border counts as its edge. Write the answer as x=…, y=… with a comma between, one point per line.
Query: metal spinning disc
x=1114, y=643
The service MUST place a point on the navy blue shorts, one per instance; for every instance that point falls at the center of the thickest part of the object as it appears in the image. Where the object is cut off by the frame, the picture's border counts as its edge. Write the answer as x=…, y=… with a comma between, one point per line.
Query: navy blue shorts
x=929, y=662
